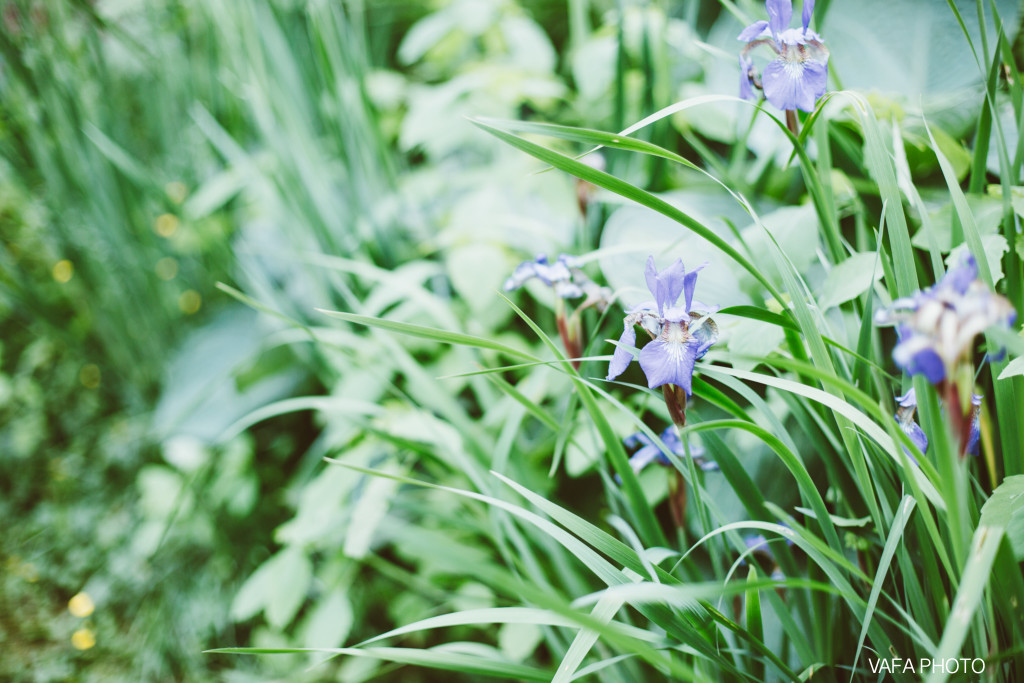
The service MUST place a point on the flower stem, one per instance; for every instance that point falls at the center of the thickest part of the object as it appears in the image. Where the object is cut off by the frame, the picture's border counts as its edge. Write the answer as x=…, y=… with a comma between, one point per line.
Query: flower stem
x=960, y=421
x=569, y=331
x=677, y=500
x=792, y=122
x=675, y=399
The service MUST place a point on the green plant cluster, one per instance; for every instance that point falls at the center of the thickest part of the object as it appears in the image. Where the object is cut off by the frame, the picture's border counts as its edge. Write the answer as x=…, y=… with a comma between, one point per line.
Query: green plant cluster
x=260, y=389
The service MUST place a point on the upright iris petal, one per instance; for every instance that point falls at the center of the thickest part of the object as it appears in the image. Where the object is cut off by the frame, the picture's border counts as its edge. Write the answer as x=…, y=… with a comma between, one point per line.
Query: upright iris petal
x=798, y=75
x=679, y=337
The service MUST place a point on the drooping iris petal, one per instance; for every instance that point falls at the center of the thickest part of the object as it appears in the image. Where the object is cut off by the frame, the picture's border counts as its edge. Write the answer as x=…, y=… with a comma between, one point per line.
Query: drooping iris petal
x=794, y=84
x=523, y=272
x=918, y=358
x=622, y=356
x=753, y=31
x=746, y=92
x=704, y=330
x=917, y=437
x=928, y=363
x=644, y=457
x=669, y=362
x=649, y=452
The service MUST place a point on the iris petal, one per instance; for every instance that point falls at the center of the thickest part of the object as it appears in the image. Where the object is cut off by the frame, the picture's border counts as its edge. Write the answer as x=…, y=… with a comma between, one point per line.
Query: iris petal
x=669, y=363
x=622, y=356
x=794, y=85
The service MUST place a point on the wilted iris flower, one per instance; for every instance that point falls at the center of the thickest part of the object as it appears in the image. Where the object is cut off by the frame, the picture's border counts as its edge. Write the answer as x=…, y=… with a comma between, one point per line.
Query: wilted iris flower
x=649, y=451
x=974, y=436
x=680, y=336
x=937, y=326
x=907, y=405
x=798, y=75
x=564, y=276
x=568, y=281
x=557, y=275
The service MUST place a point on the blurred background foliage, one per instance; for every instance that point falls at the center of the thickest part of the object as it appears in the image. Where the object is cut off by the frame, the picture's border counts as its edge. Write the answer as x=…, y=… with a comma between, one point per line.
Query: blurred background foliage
x=161, y=439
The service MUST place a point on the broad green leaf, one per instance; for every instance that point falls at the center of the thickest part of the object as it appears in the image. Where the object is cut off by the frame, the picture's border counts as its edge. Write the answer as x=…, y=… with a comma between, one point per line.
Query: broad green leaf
x=1005, y=510
x=291, y=573
x=1013, y=368
x=330, y=620
x=1002, y=515
x=850, y=279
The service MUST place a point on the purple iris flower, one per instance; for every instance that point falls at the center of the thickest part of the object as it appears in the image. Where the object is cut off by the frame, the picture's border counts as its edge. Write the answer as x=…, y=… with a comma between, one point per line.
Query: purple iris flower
x=759, y=545
x=906, y=406
x=937, y=326
x=680, y=336
x=798, y=75
x=649, y=452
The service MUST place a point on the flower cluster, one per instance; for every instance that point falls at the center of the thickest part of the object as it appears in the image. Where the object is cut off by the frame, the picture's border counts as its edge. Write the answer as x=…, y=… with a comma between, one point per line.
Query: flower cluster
x=680, y=336
x=937, y=326
x=797, y=77
x=649, y=452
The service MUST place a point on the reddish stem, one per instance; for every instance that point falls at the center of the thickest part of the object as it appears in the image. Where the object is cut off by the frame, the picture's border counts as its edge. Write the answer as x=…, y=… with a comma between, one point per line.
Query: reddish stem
x=961, y=421
x=791, y=122
x=675, y=399
x=570, y=341
x=677, y=500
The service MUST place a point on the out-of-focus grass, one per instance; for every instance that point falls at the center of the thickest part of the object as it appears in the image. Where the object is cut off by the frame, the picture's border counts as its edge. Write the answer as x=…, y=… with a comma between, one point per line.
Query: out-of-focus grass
x=150, y=150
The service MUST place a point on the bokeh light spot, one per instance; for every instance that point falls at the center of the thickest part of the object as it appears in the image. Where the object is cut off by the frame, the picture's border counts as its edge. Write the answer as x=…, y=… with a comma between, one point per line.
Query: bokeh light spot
x=89, y=376
x=166, y=268
x=190, y=301
x=63, y=270
x=176, y=191
x=81, y=605
x=83, y=639
x=166, y=224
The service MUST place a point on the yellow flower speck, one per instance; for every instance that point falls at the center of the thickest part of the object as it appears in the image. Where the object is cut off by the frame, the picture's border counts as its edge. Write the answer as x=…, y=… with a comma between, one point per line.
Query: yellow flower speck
x=83, y=639
x=166, y=268
x=89, y=376
x=166, y=224
x=176, y=191
x=81, y=605
x=190, y=301
x=63, y=270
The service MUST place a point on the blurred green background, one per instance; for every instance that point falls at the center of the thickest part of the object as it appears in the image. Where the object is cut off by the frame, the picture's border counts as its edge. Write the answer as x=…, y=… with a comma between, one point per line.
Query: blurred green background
x=314, y=154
